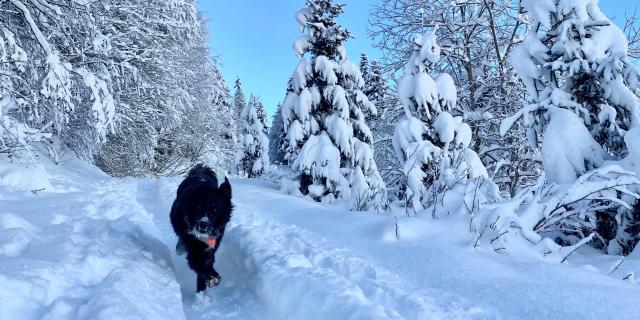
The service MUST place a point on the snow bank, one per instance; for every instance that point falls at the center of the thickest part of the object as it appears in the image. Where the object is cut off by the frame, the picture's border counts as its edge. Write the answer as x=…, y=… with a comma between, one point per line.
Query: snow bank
x=90, y=254
x=25, y=177
x=303, y=277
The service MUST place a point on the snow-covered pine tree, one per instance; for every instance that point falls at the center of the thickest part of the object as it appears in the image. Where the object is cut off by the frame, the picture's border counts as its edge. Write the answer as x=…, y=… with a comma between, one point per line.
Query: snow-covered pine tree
x=253, y=159
x=221, y=153
x=432, y=144
x=276, y=138
x=364, y=70
x=328, y=140
x=578, y=76
x=239, y=100
x=383, y=125
x=263, y=116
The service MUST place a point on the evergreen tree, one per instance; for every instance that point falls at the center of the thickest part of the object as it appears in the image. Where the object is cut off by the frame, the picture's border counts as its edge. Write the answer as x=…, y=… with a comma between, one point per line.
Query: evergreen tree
x=364, y=70
x=276, y=138
x=579, y=80
x=239, y=101
x=383, y=126
x=254, y=157
x=432, y=144
x=328, y=140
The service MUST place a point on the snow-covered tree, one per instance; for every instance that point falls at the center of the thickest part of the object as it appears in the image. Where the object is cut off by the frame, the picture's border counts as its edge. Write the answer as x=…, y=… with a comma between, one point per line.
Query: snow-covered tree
x=48, y=92
x=239, y=100
x=632, y=32
x=364, y=69
x=165, y=81
x=276, y=138
x=383, y=126
x=432, y=144
x=476, y=39
x=129, y=86
x=223, y=150
x=328, y=140
x=253, y=159
x=581, y=109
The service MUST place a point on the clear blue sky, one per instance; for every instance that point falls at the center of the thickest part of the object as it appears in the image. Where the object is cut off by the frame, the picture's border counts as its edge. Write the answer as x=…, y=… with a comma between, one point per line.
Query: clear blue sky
x=253, y=39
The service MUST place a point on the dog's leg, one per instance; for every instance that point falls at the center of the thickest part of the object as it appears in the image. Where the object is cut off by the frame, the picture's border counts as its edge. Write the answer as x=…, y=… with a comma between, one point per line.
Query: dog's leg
x=201, y=284
x=202, y=264
x=214, y=279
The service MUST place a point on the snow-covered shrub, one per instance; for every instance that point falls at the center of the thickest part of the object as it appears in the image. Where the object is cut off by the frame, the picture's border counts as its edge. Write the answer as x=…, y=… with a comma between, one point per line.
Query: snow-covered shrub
x=579, y=79
x=432, y=144
x=328, y=141
x=253, y=160
x=549, y=211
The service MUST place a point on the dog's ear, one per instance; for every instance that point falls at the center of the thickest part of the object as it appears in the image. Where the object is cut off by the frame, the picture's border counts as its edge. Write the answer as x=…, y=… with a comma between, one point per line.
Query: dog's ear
x=225, y=188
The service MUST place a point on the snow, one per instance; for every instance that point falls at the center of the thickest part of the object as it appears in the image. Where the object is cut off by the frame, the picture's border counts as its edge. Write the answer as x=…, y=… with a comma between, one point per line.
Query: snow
x=447, y=92
x=567, y=146
x=445, y=126
x=326, y=68
x=632, y=140
x=301, y=45
x=102, y=248
x=86, y=254
x=302, y=17
x=429, y=48
x=426, y=93
x=26, y=177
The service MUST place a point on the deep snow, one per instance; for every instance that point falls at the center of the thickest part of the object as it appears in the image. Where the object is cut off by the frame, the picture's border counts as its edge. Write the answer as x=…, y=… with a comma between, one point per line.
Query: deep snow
x=93, y=247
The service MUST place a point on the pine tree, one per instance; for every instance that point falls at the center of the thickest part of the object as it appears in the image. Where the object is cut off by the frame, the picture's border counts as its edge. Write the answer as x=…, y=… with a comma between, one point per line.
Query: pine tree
x=239, y=101
x=254, y=157
x=263, y=116
x=579, y=80
x=222, y=152
x=383, y=126
x=276, y=138
x=432, y=144
x=364, y=70
x=328, y=140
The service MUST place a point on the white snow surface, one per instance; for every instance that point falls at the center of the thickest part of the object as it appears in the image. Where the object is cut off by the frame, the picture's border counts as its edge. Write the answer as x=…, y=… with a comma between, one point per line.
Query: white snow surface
x=567, y=144
x=103, y=248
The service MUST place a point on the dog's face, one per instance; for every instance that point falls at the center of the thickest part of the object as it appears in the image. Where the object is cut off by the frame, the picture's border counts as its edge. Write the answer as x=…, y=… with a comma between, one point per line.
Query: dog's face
x=209, y=211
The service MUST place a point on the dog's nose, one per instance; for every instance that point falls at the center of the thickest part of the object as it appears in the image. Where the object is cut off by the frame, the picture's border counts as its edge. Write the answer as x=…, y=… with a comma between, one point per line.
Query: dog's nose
x=203, y=225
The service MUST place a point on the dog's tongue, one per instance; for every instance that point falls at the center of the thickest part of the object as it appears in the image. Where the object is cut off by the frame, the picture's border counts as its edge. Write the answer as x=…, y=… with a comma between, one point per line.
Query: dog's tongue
x=211, y=241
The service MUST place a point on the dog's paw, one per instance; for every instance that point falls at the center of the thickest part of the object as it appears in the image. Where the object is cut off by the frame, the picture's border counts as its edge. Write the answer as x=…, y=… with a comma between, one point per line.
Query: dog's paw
x=214, y=281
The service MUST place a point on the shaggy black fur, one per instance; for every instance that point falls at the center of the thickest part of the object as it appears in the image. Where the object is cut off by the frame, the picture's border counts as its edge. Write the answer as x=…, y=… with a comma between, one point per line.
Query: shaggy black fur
x=202, y=208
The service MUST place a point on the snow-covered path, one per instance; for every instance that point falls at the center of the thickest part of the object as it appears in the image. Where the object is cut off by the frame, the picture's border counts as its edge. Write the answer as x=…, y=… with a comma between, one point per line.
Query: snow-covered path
x=94, y=247
x=279, y=271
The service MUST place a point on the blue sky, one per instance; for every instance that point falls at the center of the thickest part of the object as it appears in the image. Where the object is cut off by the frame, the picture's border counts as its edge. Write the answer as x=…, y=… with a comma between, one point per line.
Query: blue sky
x=253, y=39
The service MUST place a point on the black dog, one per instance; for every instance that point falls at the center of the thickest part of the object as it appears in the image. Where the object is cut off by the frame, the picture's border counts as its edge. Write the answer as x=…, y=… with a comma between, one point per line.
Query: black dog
x=199, y=215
